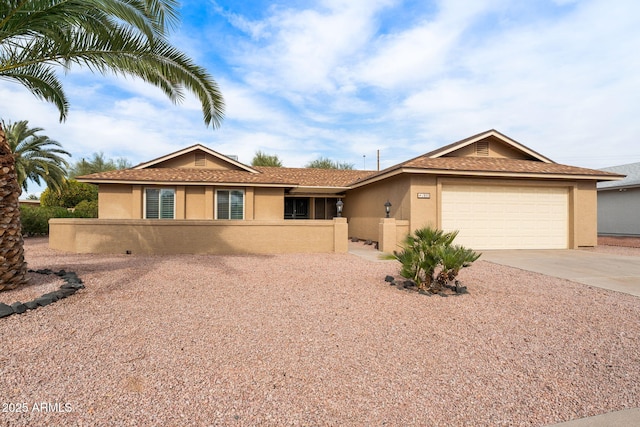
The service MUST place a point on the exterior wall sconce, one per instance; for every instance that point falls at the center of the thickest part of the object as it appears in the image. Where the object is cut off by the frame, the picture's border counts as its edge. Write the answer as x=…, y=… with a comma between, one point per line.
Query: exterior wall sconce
x=339, y=205
x=387, y=208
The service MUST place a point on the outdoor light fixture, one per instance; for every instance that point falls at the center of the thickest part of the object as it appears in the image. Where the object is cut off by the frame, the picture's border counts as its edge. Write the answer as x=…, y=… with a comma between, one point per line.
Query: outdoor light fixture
x=339, y=206
x=387, y=207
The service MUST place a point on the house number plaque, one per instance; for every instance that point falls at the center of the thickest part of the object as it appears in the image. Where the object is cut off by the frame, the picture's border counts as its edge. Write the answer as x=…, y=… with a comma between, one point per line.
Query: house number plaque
x=424, y=195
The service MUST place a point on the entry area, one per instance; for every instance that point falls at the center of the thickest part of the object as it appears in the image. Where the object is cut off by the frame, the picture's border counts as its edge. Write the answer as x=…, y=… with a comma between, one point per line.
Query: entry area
x=507, y=217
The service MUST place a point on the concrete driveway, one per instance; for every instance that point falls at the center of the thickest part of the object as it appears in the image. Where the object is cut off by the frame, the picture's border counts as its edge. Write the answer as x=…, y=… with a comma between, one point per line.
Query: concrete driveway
x=616, y=272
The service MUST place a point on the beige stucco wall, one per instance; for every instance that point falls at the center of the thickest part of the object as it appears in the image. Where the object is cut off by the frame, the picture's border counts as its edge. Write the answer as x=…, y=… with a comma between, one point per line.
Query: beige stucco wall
x=188, y=161
x=115, y=201
x=365, y=206
x=268, y=203
x=198, y=236
x=403, y=194
x=118, y=201
x=496, y=149
x=585, y=214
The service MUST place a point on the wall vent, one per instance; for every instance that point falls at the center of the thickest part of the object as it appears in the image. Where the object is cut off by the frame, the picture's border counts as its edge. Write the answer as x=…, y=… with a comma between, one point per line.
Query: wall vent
x=482, y=148
x=201, y=159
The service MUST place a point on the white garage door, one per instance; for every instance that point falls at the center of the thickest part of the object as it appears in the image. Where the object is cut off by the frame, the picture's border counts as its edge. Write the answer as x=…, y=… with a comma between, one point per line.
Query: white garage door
x=505, y=217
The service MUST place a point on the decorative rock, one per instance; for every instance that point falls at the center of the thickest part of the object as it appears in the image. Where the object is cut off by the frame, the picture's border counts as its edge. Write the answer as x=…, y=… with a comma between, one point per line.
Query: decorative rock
x=5, y=310
x=461, y=289
x=74, y=286
x=31, y=305
x=389, y=279
x=66, y=292
x=18, y=307
x=409, y=284
x=52, y=295
x=70, y=287
x=42, y=301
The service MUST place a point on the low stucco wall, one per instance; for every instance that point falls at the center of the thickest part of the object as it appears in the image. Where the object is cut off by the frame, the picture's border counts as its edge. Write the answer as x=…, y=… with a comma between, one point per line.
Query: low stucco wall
x=198, y=236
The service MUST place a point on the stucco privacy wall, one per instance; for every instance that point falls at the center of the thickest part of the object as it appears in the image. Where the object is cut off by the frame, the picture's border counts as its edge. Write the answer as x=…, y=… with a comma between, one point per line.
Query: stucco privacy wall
x=198, y=236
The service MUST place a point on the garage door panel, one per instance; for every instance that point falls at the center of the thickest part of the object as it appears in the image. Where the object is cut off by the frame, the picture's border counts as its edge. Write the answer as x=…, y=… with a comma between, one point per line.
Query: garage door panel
x=506, y=217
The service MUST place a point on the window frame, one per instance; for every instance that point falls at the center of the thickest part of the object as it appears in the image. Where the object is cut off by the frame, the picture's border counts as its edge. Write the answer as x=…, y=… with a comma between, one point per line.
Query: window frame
x=229, y=191
x=160, y=189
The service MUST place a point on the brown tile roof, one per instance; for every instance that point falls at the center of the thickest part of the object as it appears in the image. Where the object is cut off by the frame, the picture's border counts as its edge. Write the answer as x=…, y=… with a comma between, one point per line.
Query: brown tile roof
x=266, y=176
x=310, y=177
x=493, y=165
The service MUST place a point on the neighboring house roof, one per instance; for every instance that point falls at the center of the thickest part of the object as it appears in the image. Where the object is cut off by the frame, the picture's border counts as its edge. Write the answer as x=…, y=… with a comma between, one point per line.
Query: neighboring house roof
x=632, y=172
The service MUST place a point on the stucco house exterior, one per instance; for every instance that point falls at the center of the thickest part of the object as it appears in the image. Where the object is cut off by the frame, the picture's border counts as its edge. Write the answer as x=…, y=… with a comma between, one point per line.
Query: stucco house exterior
x=497, y=192
x=619, y=202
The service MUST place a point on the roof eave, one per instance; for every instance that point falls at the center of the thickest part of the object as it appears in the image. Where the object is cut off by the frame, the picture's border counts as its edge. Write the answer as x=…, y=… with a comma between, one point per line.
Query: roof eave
x=187, y=183
x=495, y=174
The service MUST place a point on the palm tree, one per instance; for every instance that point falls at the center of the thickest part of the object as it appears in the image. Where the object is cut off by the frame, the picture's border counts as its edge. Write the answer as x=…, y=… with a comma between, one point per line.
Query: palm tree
x=37, y=157
x=124, y=37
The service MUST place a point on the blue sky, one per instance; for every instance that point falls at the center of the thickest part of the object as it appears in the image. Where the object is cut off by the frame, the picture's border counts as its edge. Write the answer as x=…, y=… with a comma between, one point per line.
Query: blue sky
x=345, y=78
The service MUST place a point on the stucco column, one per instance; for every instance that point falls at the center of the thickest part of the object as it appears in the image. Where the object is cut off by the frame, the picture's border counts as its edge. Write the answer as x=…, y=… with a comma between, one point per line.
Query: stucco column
x=387, y=235
x=340, y=235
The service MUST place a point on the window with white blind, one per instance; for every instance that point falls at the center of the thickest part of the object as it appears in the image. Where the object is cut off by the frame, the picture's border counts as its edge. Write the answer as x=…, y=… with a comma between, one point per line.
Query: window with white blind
x=159, y=203
x=230, y=204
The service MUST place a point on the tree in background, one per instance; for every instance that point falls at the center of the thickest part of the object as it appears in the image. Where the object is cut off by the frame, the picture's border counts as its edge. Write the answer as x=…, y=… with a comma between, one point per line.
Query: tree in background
x=109, y=36
x=70, y=196
x=37, y=157
x=263, y=159
x=326, y=163
x=97, y=163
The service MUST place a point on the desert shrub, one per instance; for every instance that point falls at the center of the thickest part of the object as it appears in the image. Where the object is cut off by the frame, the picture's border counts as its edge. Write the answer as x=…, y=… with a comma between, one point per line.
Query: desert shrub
x=430, y=259
x=35, y=219
x=86, y=209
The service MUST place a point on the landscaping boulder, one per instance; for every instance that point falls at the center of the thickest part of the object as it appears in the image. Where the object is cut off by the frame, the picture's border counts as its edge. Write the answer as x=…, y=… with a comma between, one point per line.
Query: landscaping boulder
x=5, y=310
x=18, y=307
x=31, y=305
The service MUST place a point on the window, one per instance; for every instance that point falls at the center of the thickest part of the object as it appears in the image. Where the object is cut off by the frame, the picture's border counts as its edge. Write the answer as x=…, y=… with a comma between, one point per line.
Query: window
x=230, y=204
x=296, y=208
x=159, y=203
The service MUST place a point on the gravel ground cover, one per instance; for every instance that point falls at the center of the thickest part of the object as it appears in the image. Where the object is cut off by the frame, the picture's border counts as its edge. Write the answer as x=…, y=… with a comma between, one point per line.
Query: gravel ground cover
x=315, y=339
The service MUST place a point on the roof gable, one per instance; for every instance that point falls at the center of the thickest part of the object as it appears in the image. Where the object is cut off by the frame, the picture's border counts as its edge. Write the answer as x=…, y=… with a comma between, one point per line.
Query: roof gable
x=488, y=144
x=197, y=156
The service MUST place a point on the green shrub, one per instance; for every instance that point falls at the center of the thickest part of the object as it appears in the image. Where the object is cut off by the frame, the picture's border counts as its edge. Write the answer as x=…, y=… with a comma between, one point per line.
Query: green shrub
x=72, y=193
x=86, y=209
x=35, y=220
x=430, y=259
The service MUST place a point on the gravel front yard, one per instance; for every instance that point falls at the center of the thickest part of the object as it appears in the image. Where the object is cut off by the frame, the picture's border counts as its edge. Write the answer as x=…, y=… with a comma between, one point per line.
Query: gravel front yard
x=311, y=340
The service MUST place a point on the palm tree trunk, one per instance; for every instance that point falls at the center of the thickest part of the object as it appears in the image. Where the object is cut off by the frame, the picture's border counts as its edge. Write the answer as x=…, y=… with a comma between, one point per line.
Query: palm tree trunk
x=13, y=268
